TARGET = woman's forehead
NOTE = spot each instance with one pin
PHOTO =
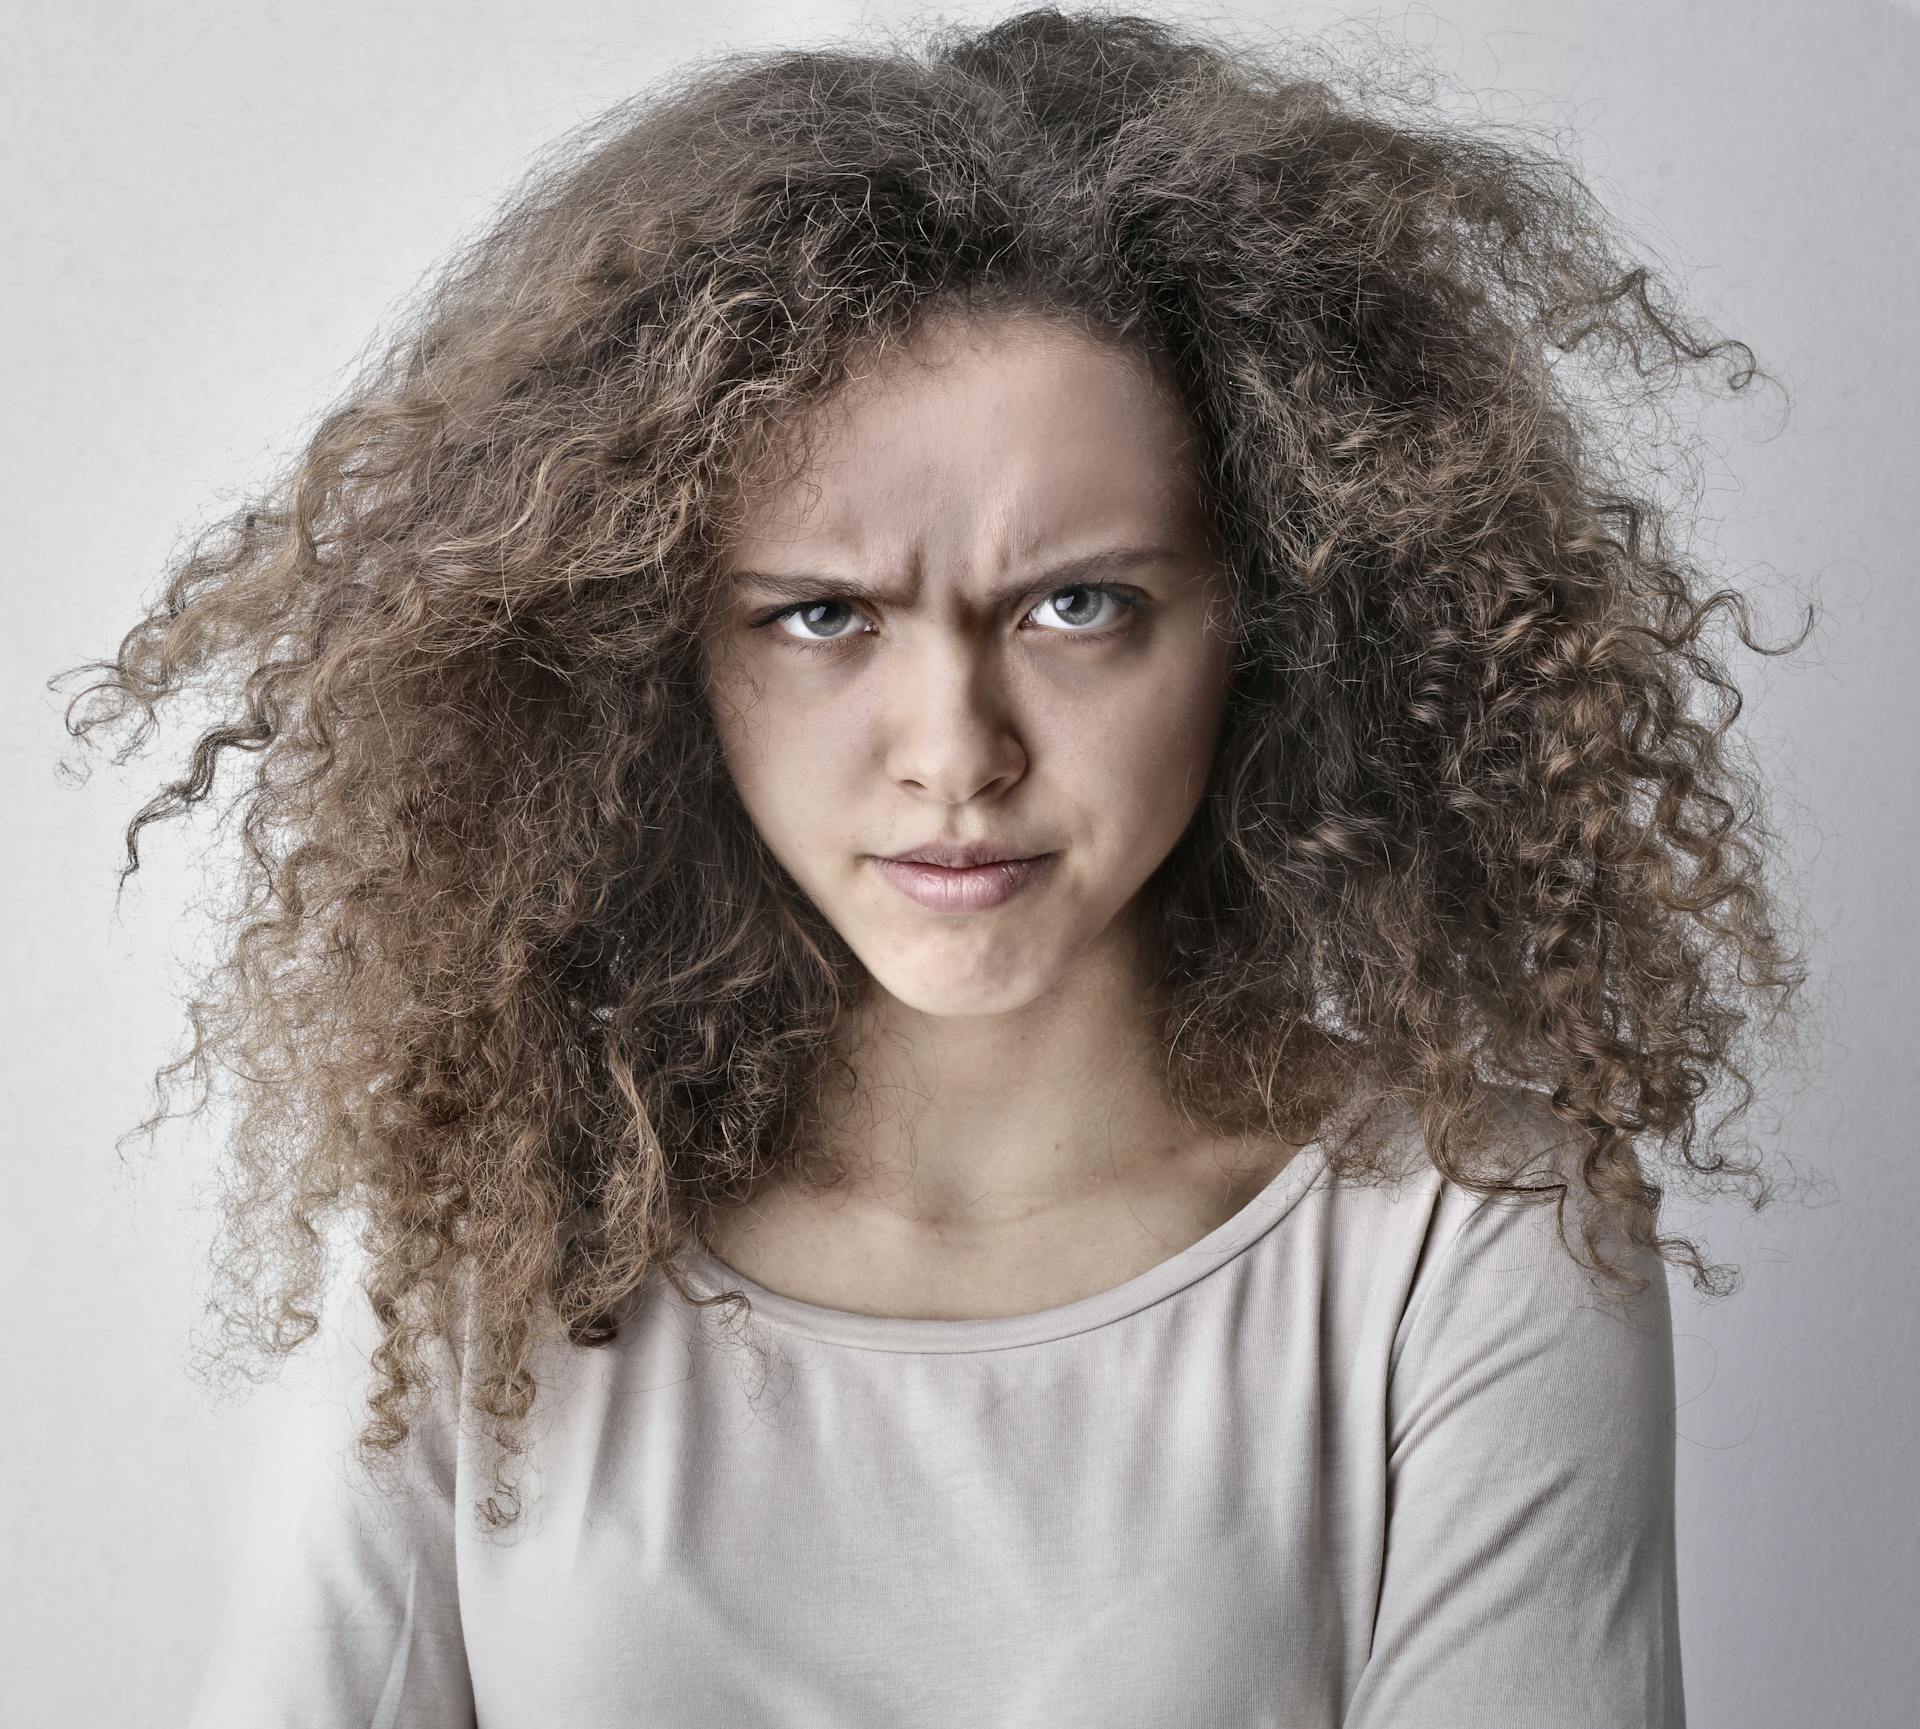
(1022, 440)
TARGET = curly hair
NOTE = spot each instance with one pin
(513, 985)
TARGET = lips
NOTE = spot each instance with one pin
(963, 888)
(962, 855)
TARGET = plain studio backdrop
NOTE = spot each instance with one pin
(210, 208)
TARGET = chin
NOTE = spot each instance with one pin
(962, 987)
(951, 1005)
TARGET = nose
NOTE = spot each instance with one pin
(954, 732)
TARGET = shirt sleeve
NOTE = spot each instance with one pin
(1529, 1574)
(343, 1611)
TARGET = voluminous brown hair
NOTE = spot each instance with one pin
(515, 987)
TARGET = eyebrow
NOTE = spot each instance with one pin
(799, 585)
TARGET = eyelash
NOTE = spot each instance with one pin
(1128, 603)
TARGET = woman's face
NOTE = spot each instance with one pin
(977, 690)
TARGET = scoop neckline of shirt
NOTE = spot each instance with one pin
(1199, 1260)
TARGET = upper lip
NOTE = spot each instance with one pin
(957, 855)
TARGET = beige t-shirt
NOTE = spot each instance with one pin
(1374, 1457)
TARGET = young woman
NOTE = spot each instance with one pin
(980, 867)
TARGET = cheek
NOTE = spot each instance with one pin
(746, 714)
(790, 762)
(737, 710)
(1198, 706)
(1160, 741)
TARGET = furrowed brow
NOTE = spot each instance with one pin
(1089, 567)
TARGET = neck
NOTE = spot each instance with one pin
(982, 1121)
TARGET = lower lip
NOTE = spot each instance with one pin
(972, 890)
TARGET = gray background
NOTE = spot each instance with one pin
(209, 208)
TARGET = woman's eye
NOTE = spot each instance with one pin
(1090, 610)
(809, 611)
